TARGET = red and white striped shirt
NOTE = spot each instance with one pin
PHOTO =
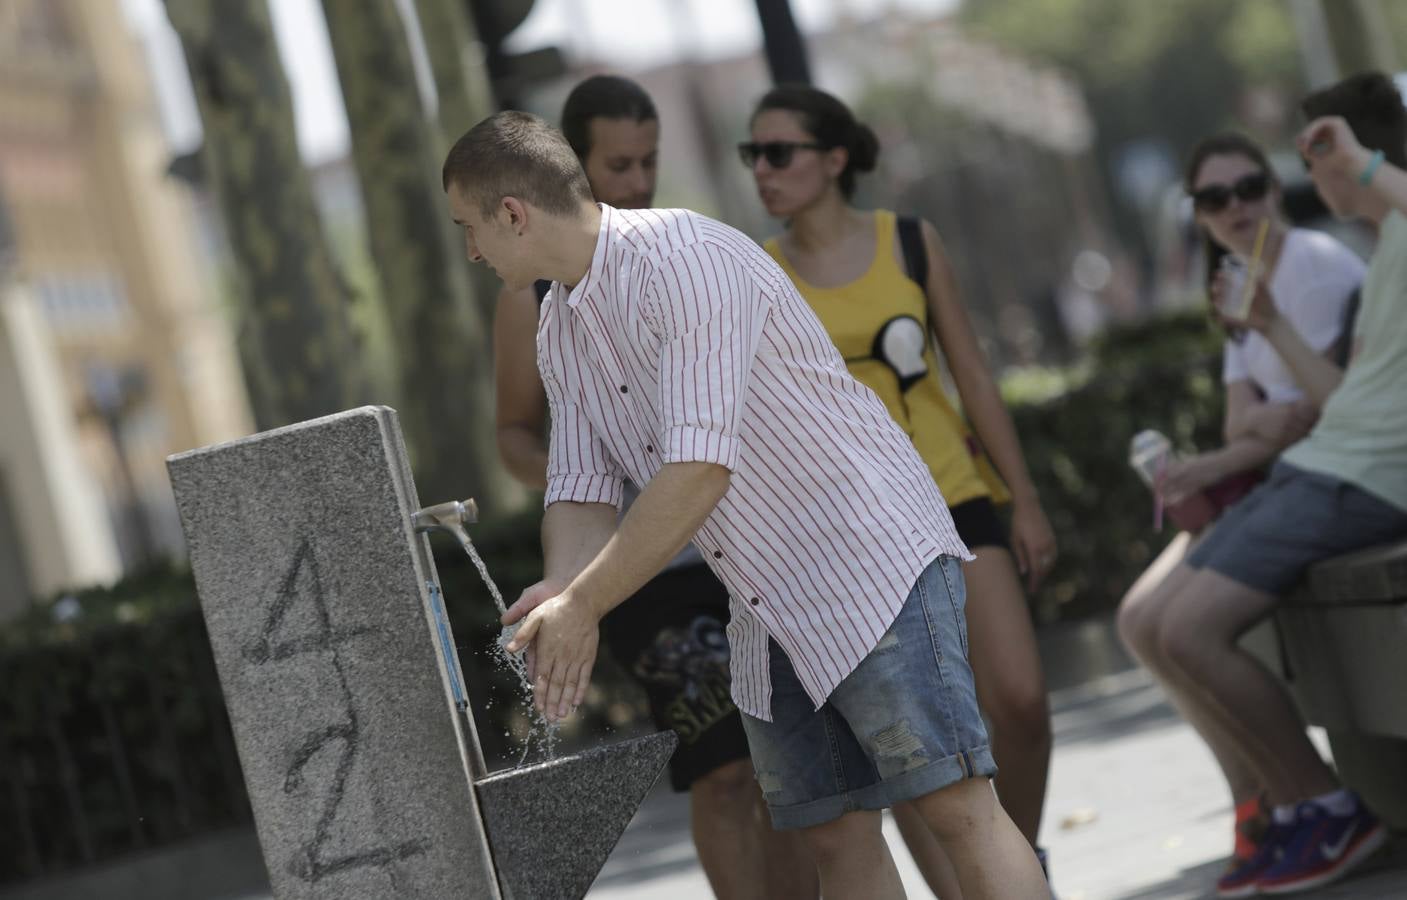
(686, 343)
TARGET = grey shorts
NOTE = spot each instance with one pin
(1294, 519)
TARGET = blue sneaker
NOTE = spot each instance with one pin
(1323, 848)
(1242, 876)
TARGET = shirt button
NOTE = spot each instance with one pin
(718, 554)
(624, 389)
(754, 601)
(649, 448)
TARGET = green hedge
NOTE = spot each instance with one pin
(1165, 375)
(113, 732)
(113, 738)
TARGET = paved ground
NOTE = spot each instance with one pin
(1136, 811)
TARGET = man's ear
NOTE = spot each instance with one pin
(517, 213)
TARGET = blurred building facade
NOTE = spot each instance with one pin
(114, 349)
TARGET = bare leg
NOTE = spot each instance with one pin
(1006, 668)
(791, 870)
(992, 858)
(932, 862)
(853, 859)
(1148, 595)
(1140, 614)
(727, 832)
(1198, 638)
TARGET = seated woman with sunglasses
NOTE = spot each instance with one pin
(853, 267)
(1311, 277)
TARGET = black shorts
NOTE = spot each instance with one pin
(979, 525)
(671, 638)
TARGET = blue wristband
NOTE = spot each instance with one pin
(1365, 177)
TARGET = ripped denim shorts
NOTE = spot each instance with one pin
(905, 723)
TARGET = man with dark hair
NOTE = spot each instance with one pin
(617, 113)
(1372, 104)
(1342, 488)
(670, 637)
(676, 354)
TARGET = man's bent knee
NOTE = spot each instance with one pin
(847, 834)
(958, 809)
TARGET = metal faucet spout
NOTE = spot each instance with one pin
(450, 516)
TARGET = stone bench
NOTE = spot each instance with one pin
(1340, 643)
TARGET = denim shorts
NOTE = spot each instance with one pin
(1291, 521)
(903, 724)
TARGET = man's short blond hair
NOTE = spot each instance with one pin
(517, 154)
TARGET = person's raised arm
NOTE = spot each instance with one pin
(1328, 141)
(1315, 373)
(520, 404)
(1032, 538)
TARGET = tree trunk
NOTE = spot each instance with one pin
(464, 92)
(457, 59)
(1360, 36)
(297, 344)
(438, 324)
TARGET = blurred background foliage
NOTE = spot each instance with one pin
(128, 670)
(113, 732)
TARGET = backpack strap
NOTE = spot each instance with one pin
(915, 254)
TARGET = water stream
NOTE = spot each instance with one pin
(541, 731)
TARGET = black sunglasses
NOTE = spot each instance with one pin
(1215, 197)
(777, 153)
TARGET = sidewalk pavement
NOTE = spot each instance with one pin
(1136, 811)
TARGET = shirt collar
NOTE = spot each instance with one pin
(598, 258)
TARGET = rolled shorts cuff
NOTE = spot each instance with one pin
(919, 782)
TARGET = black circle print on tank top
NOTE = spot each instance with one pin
(899, 345)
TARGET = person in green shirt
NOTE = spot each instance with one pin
(1343, 488)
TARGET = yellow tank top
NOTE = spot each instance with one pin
(879, 323)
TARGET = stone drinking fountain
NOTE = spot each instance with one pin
(349, 707)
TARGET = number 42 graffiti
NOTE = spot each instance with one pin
(303, 584)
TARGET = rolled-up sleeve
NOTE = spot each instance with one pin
(579, 469)
(710, 311)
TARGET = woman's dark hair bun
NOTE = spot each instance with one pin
(864, 148)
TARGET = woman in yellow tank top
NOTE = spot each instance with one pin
(879, 323)
(805, 151)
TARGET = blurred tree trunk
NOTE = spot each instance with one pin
(465, 95)
(458, 61)
(438, 324)
(297, 344)
(1360, 36)
(1341, 37)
